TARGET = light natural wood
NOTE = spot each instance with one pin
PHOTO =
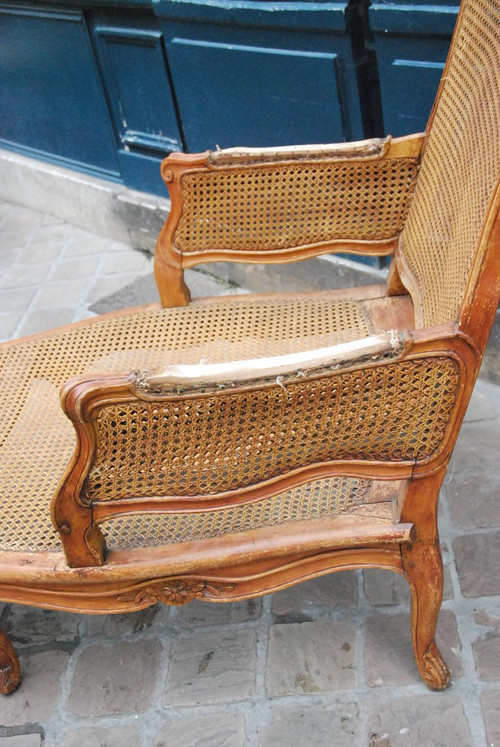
(341, 444)
(170, 260)
(423, 569)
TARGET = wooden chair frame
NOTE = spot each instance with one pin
(87, 578)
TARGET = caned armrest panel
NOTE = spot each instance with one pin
(285, 204)
(188, 448)
(208, 443)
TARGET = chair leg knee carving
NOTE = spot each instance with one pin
(10, 671)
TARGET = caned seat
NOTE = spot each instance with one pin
(225, 448)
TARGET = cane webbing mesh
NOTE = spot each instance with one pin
(223, 330)
(266, 208)
(459, 171)
(329, 497)
(210, 444)
(37, 440)
(322, 498)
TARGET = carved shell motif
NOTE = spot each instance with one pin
(175, 591)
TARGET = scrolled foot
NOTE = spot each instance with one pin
(434, 671)
(10, 671)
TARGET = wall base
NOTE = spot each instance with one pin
(103, 207)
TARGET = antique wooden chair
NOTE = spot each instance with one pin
(229, 447)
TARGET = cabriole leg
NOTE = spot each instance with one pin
(423, 568)
(10, 671)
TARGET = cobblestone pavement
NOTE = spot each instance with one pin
(327, 663)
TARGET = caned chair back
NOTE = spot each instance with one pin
(446, 234)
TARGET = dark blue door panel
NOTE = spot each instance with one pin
(254, 96)
(112, 87)
(260, 74)
(416, 82)
(411, 43)
(51, 99)
(135, 75)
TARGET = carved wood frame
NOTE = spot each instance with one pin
(263, 562)
(78, 520)
(170, 262)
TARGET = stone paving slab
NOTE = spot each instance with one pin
(333, 724)
(126, 675)
(311, 657)
(422, 721)
(491, 711)
(211, 667)
(213, 730)
(327, 663)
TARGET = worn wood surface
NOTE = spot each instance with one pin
(395, 529)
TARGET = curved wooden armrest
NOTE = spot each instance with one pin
(408, 146)
(85, 399)
(183, 378)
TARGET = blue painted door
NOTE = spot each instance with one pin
(411, 44)
(112, 87)
(257, 74)
(136, 78)
(51, 99)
